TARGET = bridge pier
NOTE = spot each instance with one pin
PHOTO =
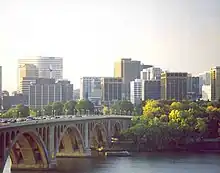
(87, 149)
(51, 148)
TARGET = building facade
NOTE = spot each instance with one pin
(152, 73)
(136, 91)
(128, 70)
(204, 79)
(1, 87)
(12, 101)
(151, 90)
(90, 89)
(193, 91)
(206, 92)
(174, 86)
(111, 88)
(215, 83)
(45, 91)
(27, 74)
(48, 67)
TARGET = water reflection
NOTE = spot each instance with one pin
(145, 163)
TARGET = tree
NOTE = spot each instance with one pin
(22, 111)
(106, 110)
(48, 110)
(69, 107)
(122, 107)
(84, 105)
(57, 108)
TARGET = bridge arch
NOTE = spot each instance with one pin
(99, 136)
(116, 129)
(70, 141)
(26, 150)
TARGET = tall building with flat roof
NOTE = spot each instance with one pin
(136, 91)
(193, 87)
(150, 90)
(215, 83)
(174, 86)
(111, 88)
(90, 89)
(27, 73)
(1, 87)
(151, 73)
(45, 91)
(128, 70)
(48, 67)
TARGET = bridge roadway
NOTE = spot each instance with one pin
(36, 144)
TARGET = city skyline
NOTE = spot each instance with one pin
(157, 33)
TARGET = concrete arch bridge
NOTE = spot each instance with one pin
(35, 145)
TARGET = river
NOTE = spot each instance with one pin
(142, 163)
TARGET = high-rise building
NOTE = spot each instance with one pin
(136, 91)
(48, 67)
(27, 73)
(193, 92)
(150, 90)
(90, 89)
(204, 79)
(174, 86)
(215, 83)
(152, 73)
(111, 88)
(1, 87)
(206, 92)
(128, 70)
(45, 91)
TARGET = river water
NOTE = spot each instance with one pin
(142, 163)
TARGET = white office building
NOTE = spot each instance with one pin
(204, 79)
(48, 67)
(136, 91)
(206, 92)
(152, 73)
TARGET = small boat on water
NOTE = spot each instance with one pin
(117, 154)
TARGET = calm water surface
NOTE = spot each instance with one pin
(144, 163)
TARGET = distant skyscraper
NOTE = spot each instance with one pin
(204, 79)
(193, 87)
(27, 73)
(48, 67)
(89, 87)
(136, 91)
(174, 86)
(215, 83)
(128, 70)
(206, 92)
(1, 87)
(45, 91)
(151, 90)
(152, 73)
(111, 89)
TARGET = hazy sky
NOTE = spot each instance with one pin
(180, 35)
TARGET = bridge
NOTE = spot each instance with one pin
(36, 144)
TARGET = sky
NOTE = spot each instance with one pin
(178, 35)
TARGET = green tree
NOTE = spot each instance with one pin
(106, 110)
(122, 107)
(22, 111)
(69, 107)
(57, 108)
(84, 105)
(48, 110)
